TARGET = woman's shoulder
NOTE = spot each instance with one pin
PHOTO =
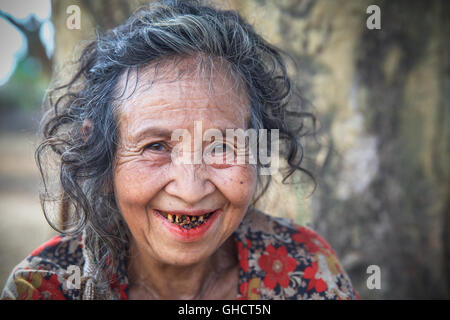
(284, 260)
(44, 273)
(283, 231)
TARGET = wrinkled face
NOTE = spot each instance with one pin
(153, 191)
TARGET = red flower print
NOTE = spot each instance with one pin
(243, 256)
(309, 238)
(120, 287)
(243, 290)
(250, 290)
(277, 265)
(41, 287)
(318, 284)
(50, 243)
(50, 288)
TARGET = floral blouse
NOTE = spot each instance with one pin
(277, 260)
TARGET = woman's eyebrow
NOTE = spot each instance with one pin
(152, 132)
(167, 134)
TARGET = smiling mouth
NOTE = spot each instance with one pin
(186, 221)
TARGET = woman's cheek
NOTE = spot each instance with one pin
(138, 182)
(237, 183)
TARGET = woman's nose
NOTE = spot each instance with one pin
(190, 183)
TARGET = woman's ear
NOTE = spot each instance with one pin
(86, 129)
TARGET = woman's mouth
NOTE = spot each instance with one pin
(186, 221)
(186, 227)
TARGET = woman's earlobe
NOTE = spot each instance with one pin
(86, 129)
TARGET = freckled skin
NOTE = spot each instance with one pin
(146, 179)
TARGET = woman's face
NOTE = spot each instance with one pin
(149, 185)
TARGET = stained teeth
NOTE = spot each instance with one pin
(185, 221)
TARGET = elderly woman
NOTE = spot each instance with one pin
(144, 222)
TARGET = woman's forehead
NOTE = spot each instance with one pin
(169, 97)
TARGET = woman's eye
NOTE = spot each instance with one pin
(221, 148)
(156, 146)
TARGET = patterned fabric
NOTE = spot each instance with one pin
(277, 260)
(281, 260)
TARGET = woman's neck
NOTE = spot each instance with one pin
(216, 276)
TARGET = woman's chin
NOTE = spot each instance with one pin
(183, 257)
(177, 249)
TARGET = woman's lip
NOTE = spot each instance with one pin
(188, 212)
(187, 235)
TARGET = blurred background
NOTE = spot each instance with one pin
(380, 157)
